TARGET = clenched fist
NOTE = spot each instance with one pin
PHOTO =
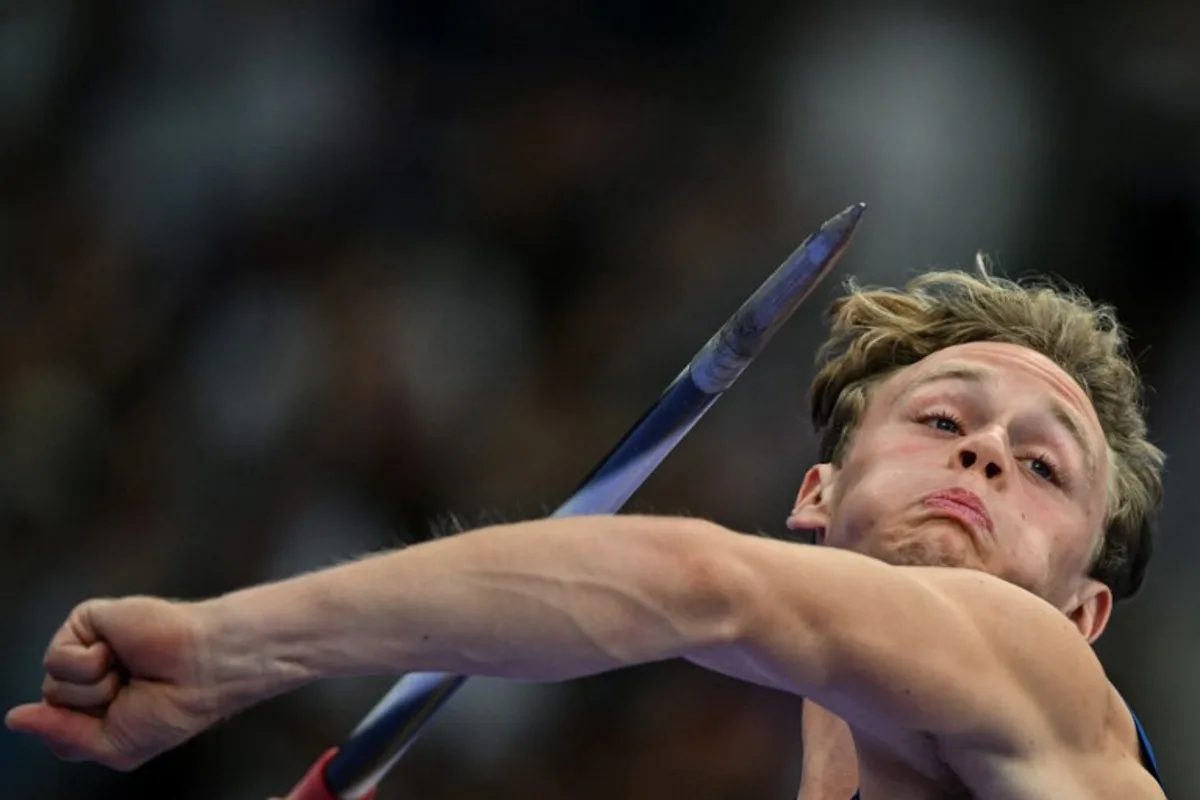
(125, 681)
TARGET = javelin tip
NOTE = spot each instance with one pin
(846, 220)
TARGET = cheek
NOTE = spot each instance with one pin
(870, 495)
(1071, 551)
(1031, 550)
(894, 465)
(899, 444)
(1047, 543)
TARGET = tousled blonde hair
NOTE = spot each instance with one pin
(877, 331)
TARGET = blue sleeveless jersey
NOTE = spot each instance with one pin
(1147, 751)
(1148, 759)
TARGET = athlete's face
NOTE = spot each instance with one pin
(983, 455)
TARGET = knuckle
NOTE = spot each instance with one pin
(54, 692)
(51, 656)
(58, 669)
(111, 685)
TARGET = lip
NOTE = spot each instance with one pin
(967, 506)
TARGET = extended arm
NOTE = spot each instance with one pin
(543, 600)
(557, 599)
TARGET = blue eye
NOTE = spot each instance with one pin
(1042, 468)
(944, 423)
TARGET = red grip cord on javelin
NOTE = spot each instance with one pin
(313, 787)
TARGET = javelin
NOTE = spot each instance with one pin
(353, 770)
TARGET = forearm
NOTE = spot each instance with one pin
(544, 600)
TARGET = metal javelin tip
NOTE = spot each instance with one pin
(730, 351)
(850, 216)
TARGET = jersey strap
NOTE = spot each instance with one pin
(1148, 758)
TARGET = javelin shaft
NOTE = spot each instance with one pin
(351, 771)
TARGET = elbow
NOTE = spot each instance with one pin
(716, 594)
(661, 588)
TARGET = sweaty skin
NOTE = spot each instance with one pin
(954, 644)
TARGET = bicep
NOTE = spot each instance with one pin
(883, 647)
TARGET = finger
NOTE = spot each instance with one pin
(73, 736)
(69, 659)
(82, 695)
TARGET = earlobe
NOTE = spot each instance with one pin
(1093, 610)
(811, 510)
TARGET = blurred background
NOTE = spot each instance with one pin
(285, 282)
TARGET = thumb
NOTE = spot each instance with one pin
(72, 735)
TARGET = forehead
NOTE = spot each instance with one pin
(1015, 374)
(1007, 365)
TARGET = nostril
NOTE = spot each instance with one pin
(967, 457)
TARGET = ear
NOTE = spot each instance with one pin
(1093, 608)
(811, 511)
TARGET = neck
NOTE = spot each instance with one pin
(830, 763)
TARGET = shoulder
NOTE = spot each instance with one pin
(1071, 728)
(1043, 655)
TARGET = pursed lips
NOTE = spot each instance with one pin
(966, 506)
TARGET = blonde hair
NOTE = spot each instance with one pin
(877, 331)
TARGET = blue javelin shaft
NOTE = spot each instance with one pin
(384, 735)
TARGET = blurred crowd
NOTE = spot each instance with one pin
(284, 283)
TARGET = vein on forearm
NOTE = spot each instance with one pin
(602, 625)
(547, 600)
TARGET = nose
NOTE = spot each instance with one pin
(983, 452)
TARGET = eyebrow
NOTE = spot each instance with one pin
(976, 375)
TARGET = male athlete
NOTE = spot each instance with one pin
(984, 497)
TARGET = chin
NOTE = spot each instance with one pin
(925, 549)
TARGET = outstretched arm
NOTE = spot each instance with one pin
(557, 599)
(983, 666)
(546, 600)
(129, 678)
(552, 599)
